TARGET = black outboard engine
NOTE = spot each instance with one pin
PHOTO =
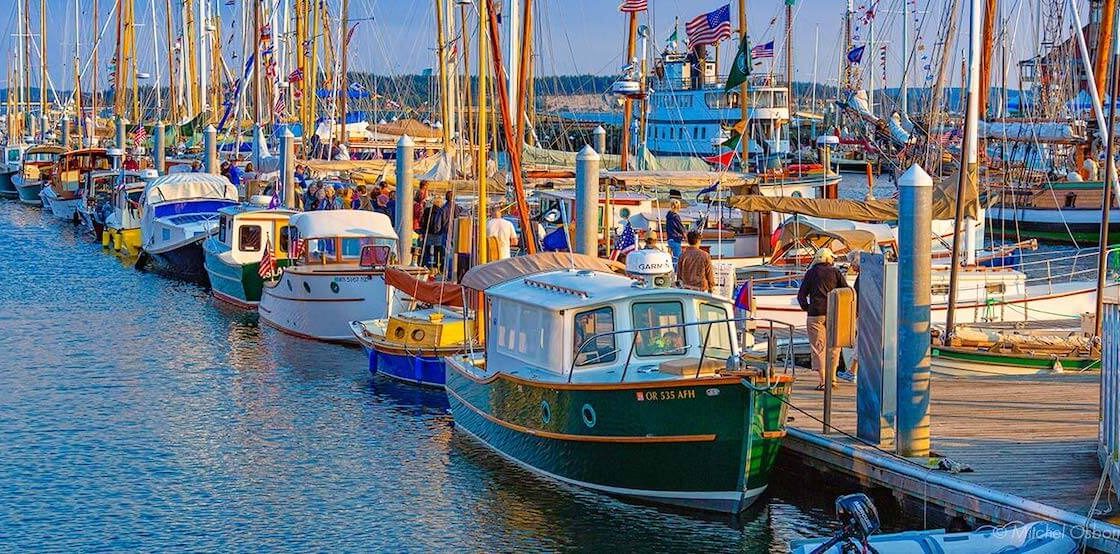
(858, 520)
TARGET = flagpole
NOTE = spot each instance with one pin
(344, 82)
(744, 96)
(627, 103)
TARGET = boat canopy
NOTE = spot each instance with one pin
(443, 293)
(189, 186)
(343, 224)
(944, 205)
(803, 232)
(45, 149)
(495, 273)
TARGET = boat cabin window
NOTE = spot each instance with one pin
(780, 98)
(249, 238)
(717, 335)
(13, 155)
(662, 338)
(595, 326)
(526, 333)
(285, 238)
(223, 229)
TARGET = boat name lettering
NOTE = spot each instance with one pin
(670, 394)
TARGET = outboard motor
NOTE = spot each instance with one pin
(858, 519)
(653, 269)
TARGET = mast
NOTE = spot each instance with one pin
(1110, 174)
(970, 168)
(95, 89)
(935, 105)
(134, 69)
(343, 80)
(444, 87)
(789, 57)
(464, 33)
(986, 55)
(190, 55)
(904, 87)
(256, 62)
(525, 74)
(514, 150)
(43, 66)
(627, 103)
(1106, 28)
(480, 157)
(215, 65)
(744, 101)
(203, 46)
(300, 101)
(514, 36)
(77, 71)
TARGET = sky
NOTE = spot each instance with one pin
(576, 36)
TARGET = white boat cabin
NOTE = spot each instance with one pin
(339, 237)
(245, 232)
(585, 326)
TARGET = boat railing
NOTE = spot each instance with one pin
(1108, 435)
(1075, 265)
(742, 326)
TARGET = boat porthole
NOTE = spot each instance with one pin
(588, 415)
(417, 335)
(334, 287)
(307, 287)
(289, 286)
(399, 333)
(546, 411)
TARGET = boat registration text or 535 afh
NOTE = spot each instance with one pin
(668, 394)
(354, 279)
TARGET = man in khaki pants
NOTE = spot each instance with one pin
(821, 279)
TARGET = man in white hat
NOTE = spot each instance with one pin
(821, 279)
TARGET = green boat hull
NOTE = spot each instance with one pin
(970, 361)
(706, 444)
(238, 284)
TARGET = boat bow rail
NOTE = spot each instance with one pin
(743, 326)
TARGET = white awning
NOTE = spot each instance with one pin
(343, 223)
(189, 186)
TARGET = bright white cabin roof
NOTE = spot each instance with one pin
(343, 223)
(570, 194)
(567, 289)
(189, 186)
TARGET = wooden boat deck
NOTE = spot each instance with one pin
(1030, 437)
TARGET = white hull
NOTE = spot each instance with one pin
(62, 209)
(1041, 302)
(320, 306)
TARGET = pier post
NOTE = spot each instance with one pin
(64, 139)
(258, 140)
(405, 148)
(210, 142)
(587, 201)
(599, 139)
(288, 167)
(825, 142)
(159, 148)
(121, 137)
(44, 127)
(914, 226)
(29, 126)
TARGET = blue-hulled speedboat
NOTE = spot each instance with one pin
(178, 212)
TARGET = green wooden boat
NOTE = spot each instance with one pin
(233, 254)
(606, 382)
(965, 361)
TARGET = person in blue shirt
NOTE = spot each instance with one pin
(235, 175)
(674, 229)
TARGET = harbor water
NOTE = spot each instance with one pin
(137, 413)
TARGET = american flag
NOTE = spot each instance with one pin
(633, 6)
(266, 32)
(763, 51)
(268, 265)
(710, 28)
(297, 248)
(280, 107)
(627, 242)
(139, 134)
(296, 75)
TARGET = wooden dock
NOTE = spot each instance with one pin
(1030, 441)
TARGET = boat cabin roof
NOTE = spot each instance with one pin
(344, 224)
(45, 149)
(189, 186)
(258, 212)
(565, 289)
(616, 196)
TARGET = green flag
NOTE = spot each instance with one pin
(736, 135)
(741, 68)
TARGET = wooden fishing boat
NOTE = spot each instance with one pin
(973, 351)
(13, 159)
(234, 253)
(178, 212)
(607, 382)
(121, 232)
(97, 196)
(410, 346)
(63, 193)
(338, 277)
(35, 172)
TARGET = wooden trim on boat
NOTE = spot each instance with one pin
(585, 438)
(673, 383)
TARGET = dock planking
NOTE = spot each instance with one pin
(1033, 437)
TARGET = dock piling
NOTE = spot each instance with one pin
(121, 137)
(405, 148)
(587, 201)
(64, 138)
(288, 167)
(210, 142)
(159, 147)
(600, 139)
(914, 226)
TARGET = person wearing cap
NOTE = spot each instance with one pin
(821, 278)
(674, 229)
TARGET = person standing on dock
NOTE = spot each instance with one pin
(674, 229)
(501, 232)
(695, 266)
(821, 278)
